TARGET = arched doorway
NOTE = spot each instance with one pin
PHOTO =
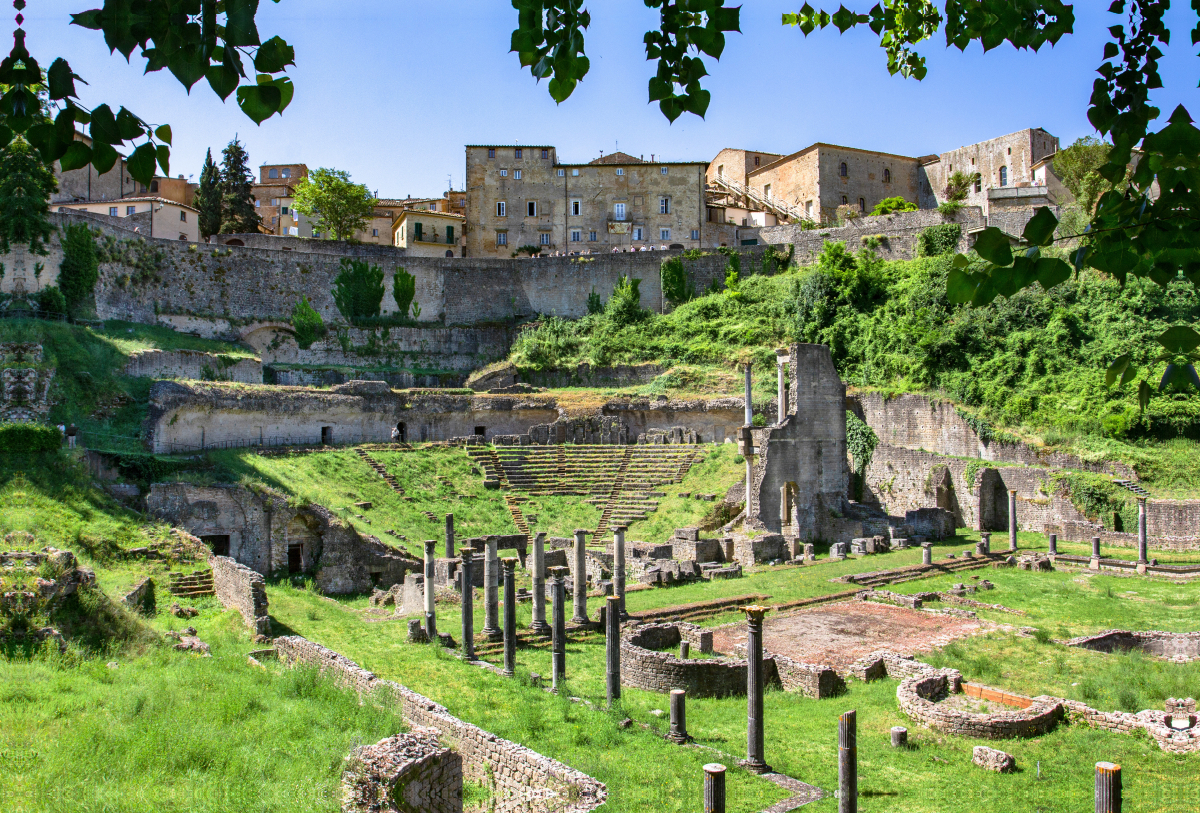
(402, 428)
(234, 242)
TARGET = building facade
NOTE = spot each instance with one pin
(151, 216)
(274, 199)
(522, 197)
(1010, 161)
(428, 233)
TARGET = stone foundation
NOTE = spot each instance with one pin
(240, 588)
(408, 772)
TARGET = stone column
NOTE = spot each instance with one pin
(430, 612)
(678, 732)
(1108, 788)
(1095, 564)
(1053, 544)
(899, 737)
(449, 536)
(468, 604)
(619, 566)
(685, 650)
(781, 394)
(1012, 520)
(754, 690)
(612, 649)
(714, 788)
(985, 539)
(749, 404)
(580, 577)
(1143, 540)
(926, 554)
(539, 626)
(491, 601)
(558, 646)
(510, 615)
(848, 763)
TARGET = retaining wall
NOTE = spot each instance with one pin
(193, 364)
(519, 774)
(897, 233)
(407, 772)
(239, 587)
(644, 668)
(1178, 647)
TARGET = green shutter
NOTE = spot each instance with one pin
(450, 235)
(419, 235)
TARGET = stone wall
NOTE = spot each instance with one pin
(411, 771)
(897, 233)
(1177, 647)
(919, 697)
(194, 365)
(240, 588)
(643, 667)
(518, 773)
(1084, 530)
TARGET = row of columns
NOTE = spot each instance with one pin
(1143, 539)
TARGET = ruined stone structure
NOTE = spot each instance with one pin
(1177, 647)
(893, 237)
(269, 537)
(239, 587)
(410, 771)
(24, 384)
(1004, 164)
(193, 364)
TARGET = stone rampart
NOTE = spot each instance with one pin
(1084, 530)
(194, 365)
(923, 697)
(538, 783)
(896, 233)
(240, 588)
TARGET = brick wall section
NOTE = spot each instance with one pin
(520, 774)
(1153, 723)
(193, 364)
(240, 588)
(411, 771)
(918, 696)
(644, 668)
(1178, 647)
(141, 597)
(1083, 531)
(899, 232)
(812, 680)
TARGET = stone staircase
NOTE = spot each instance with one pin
(1132, 486)
(192, 585)
(380, 470)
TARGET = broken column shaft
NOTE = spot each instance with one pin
(468, 604)
(491, 601)
(430, 566)
(1012, 520)
(1143, 539)
(580, 577)
(558, 646)
(612, 649)
(619, 566)
(449, 536)
(848, 763)
(510, 615)
(538, 625)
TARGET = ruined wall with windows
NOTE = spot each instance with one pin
(522, 196)
(1004, 161)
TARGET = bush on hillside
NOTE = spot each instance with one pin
(307, 323)
(51, 300)
(940, 239)
(677, 284)
(80, 267)
(625, 305)
(358, 289)
(889, 206)
(29, 438)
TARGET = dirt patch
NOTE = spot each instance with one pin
(839, 634)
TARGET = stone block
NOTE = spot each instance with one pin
(992, 760)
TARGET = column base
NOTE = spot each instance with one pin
(492, 634)
(543, 629)
(1141, 567)
(1094, 564)
(678, 739)
(756, 766)
(581, 621)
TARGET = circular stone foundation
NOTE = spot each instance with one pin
(923, 697)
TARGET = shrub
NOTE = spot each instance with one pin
(28, 438)
(677, 284)
(625, 305)
(847, 212)
(937, 240)
(958, 185)
(80, 268)
(594, 303)
(51, 300)
(950, 208)
(307, 323)
(358, 289)
(896, 204)
(404, 288)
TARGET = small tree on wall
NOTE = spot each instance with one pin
(237, 201)
(307, 323)
(358, 290)
(404, 288)
(26, 183)
(677, 285)
(208, 198)
(80, 268)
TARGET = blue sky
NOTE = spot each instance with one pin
(391, 91)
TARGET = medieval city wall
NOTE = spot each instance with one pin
(897, 233)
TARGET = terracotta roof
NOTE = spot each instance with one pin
(617, 158)
(140, 199)
(414, 212)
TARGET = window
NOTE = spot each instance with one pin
(862, 205)
(272, 173)
(576, 236)
(284, 210)
(450, 235)
(695, 234)
(662, 170)
(721, 170)
(576, 208)
(887, 176)
(843, 170)
(287, 172)
(501, 209)
(545, 154)
(620, 170)
(154, 184)
(978, 184)
(257, 204)
(182, 216)
(1010, 150)
(574, 173)
(130, 210)
(491, 153)
(637, 233)
(517, 153)
(545, 238)
(592, 236)
(374, 232)
(562, 172)
(756, 160)
(433, 207)
(504, 173)
(1004, 176)
(502, 238)
(766, 190)
(418, 231)
(517, 174)
(531, 208)
(664, 206)
(664, 234)
(808, 207)
(619, 211)
(112, 211)
(845, 200)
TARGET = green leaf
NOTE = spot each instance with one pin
(1179, 376)
(103, 156)
(77, 156)
(994, 246)
(222, 80)
(1040, 229)
(1052, 271)
(561, 89)
(1180, 339)
(129, 125)
(141, 164)
(960, 261)
(61, 80)
(163, 154)
(104, 126)
(239, 25)
(273, 56)
(259, 102)
(1143, 396)
(960, 285)
(163, 133)
(1117, 369)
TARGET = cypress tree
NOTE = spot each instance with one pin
(237, 202)
(26, 183)
(208, 198)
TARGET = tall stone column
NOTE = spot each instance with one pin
(781, 398)
(1143, 539)
(510, 615)
(1095, 564)
(848, 763)
(538, 625)
(468, 604)
(558, 645)
(491, 601)
(678, 732)
(449, 536)
(612, 649)
(430, 611)
(1108, 788)
(619, 566)
(749, 404)
(986, 539)
(580, 577)
(714, 788)
(754, 690)
(1012, 520)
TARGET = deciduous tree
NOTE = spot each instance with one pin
(339, 207)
